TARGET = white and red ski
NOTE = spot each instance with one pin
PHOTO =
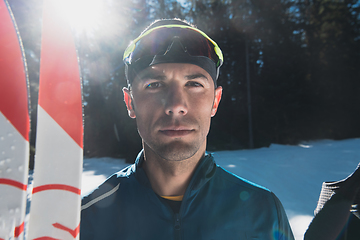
(56, 199)
(14, 128)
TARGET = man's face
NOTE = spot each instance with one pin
(173, 104)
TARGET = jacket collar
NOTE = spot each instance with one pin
(204, 171)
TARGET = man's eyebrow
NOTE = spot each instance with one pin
(151, 75)
(195, 76)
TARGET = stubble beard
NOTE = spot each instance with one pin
(174, 151)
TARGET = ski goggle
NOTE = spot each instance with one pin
(156, 41)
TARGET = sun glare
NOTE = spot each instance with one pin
(82, 15)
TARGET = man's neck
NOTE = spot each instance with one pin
(170, 178)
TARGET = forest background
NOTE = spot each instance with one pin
(291, 68)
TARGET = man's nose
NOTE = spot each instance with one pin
(175, 103)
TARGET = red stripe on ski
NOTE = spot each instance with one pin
(13, 91)
(57, 187)
(59, 87)
(73, 233)
(45, 238)
(13, 183)
(19, 230)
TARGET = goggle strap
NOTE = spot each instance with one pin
(131, 47)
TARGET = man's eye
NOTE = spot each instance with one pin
(154, 85)
(194, 84)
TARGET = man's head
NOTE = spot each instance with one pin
(172, 94)
(172, 41)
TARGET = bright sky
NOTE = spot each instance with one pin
(81, 14)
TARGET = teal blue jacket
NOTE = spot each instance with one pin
(217, 205)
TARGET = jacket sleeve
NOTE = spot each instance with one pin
(85, 224)
(94, 217)
(332, 218)
(284, 231)
(330, 221)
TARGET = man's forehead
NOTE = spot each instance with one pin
(164, 70)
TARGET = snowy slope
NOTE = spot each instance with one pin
(293, 173)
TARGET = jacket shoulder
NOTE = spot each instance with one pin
(107, 188)
(235, 179)
(263, 201)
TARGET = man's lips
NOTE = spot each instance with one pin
(176, 132)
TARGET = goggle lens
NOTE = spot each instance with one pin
(157, 41)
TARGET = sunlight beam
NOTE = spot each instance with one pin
(82, 15)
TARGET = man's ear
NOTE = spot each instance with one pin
(129, 102)
(218, 93)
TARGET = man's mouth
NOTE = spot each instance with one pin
(176, 132)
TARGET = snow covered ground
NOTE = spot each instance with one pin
(293, 173)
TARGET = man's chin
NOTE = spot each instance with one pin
(177, 151)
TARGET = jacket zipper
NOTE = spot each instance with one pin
(177, 227)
